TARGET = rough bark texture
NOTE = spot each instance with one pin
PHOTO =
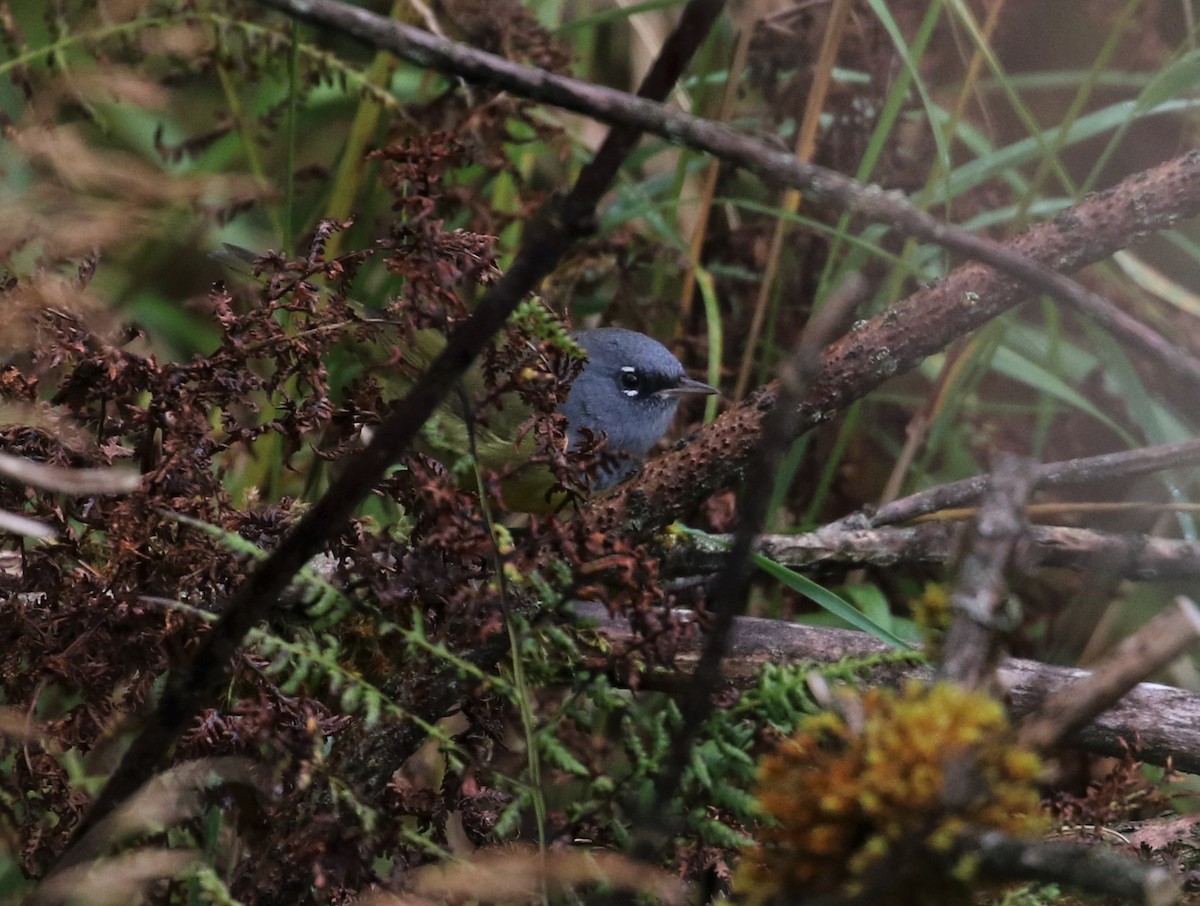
(837, 548)
(1162, 723)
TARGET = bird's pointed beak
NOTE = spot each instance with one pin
(688, 387)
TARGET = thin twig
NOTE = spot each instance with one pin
(1105, 467)
(837, 548)
(730, 591)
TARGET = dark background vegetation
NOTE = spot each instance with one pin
(421, 694)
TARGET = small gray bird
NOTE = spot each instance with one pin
(629, 390)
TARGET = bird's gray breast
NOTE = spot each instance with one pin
(631, 425)
(617, 394)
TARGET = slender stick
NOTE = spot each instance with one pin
(1047, 475)
(970, 648)
(732, 587)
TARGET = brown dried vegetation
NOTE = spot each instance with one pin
(105, 586)
(134, 575)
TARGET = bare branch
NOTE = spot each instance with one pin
(970, 647)
(1161, 724)
(1047, 475)
(1144, 653)
(837, 547)
(1093, 869)
(69, 481)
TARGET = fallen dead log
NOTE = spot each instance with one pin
(1160, 723)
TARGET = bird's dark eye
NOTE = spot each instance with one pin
(630, 381)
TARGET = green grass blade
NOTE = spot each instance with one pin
(818, 594)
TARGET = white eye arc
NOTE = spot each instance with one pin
(630, 381)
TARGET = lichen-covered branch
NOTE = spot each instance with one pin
(837, 547)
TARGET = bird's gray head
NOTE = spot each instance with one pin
(629, 390)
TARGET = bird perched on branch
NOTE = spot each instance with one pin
(627, 392)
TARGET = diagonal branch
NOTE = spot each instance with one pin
(732, 587)
(1165, 638)
(1106, 466)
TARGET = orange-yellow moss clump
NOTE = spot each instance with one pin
(888, 795)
